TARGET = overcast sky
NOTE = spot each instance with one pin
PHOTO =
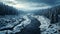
(31, 4)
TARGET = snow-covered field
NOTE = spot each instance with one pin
(16, 24)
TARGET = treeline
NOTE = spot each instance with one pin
(51, 13)
(7, 10)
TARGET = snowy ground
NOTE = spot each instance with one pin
(12, 25)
